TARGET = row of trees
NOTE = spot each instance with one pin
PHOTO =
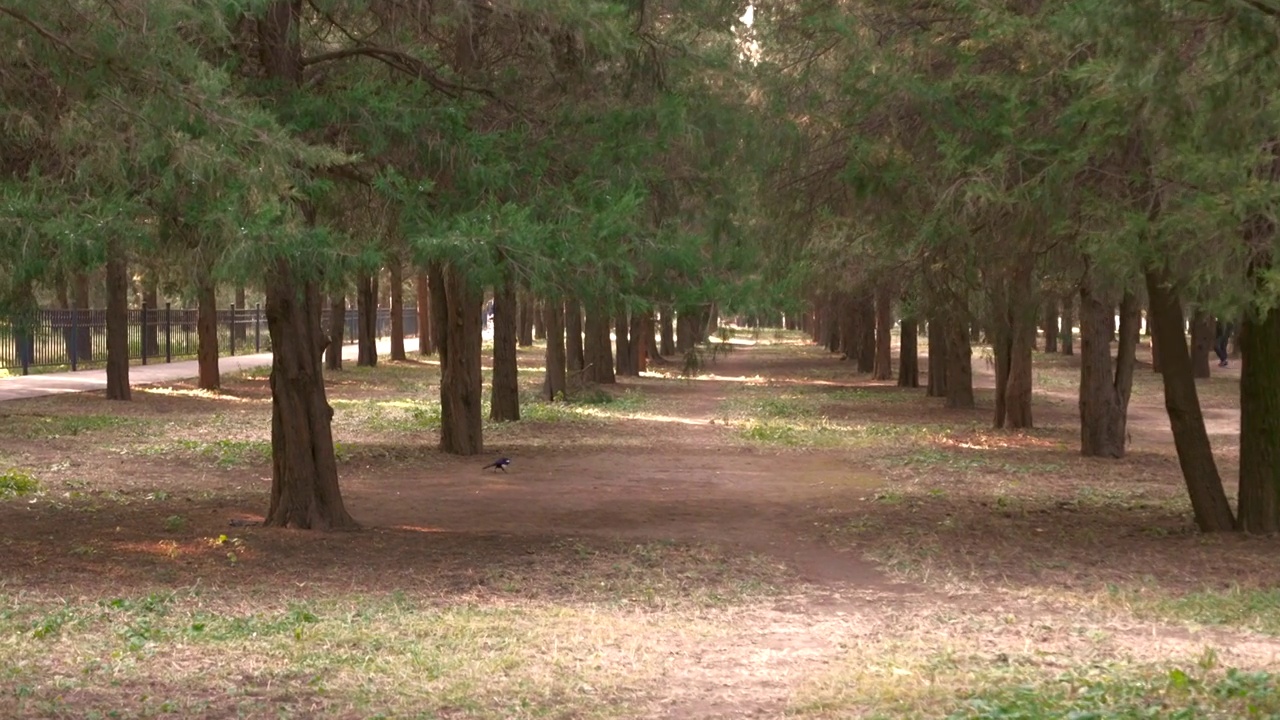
(970, 164)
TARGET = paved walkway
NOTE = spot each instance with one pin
(29, 386)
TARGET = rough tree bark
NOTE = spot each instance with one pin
(396, 272)
(80, 298)
(937, 367)
(207, 333)
(1013, 339)
(636, 343)
(1181, 401)
(866, 340)
(686, 336)
(151, 315)
(959, 366)
(367, 319)
(1259, 510)
(622, 338)
(457, 307)
(555, 386)
(117, 323)
(1051, 325)
(1104, 393)
(650, 350)
(598, 352)
(539, 320)
(668, 345)
(504, 404)
(575, 360)
(337, 331)
(908, 355)
(883, 364)
(525, 319)
(1067, 338)
(304, 471)
(426, 337)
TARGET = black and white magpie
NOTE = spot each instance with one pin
(500, 464)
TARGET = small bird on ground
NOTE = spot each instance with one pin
(500, 464)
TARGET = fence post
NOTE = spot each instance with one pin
(168, 332)
(257, 327)
(233, 329)
(144, 334)
(75, 337)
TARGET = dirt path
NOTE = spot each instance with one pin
(696, 486)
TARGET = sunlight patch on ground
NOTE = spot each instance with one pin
(198, 393)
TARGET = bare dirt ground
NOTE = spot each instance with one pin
(778, 537)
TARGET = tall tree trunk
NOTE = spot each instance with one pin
(622, 338)
(959, 366)
(1181, 401)
(636, 343)
(1068, 344)
(908, 355)
(668, 345)
(526, 319)
(713, 320)
(151, 329)
(1259, 510)
(937, 367)
(574, 357)
(457, 308)
(883, 366)
(866, 341)
(396, 272)
(117, 323)
(80, 298)
(207, 332)
(1202, 332)
(1104, 394)
(651, 353)
(504, 404)
(337, 329)
(367, 319)
(598, 350)
(847, 316)
(304, 471)
(1013, 338)
(1051, 325)
(686, 336)
(556, 385)
(426, 337)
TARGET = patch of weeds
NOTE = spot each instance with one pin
(229, 453)
(1175, 694)
(1254, 609)
(175, 523)
(15, 483)
(56, 426)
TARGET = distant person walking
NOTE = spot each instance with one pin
(1221, 334)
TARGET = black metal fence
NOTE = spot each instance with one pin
(77, 339)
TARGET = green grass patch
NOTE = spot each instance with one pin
(15, 483)
(56, 426)
(228, 453)
(1249, 608)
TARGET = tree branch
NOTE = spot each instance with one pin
(44, 33)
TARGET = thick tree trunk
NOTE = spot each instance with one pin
(937, 367)
(304, 471)
(504, 403)
(1195, 454)
(367, 320)
(207, 334)
(883, 364)
(686, 335)
(622, 338)
(1155, 354)
(556, 385)
(575, 359)
(847, 316)
(598, 351)
(1259, 510)
(908, 355)
(526, 319)
(636, 343)
(396, 272)
(651, 354)
(668, 345)
(117, 323)
(426, 337)
(866, 341)
(1104, 394)
(1068, 345)
(1202, 332)
(457, 308)
(80, 299)
(337, 331)
(1013, 339)
(1051, 325)
(959, 366)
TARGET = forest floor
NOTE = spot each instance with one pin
(778, 537)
